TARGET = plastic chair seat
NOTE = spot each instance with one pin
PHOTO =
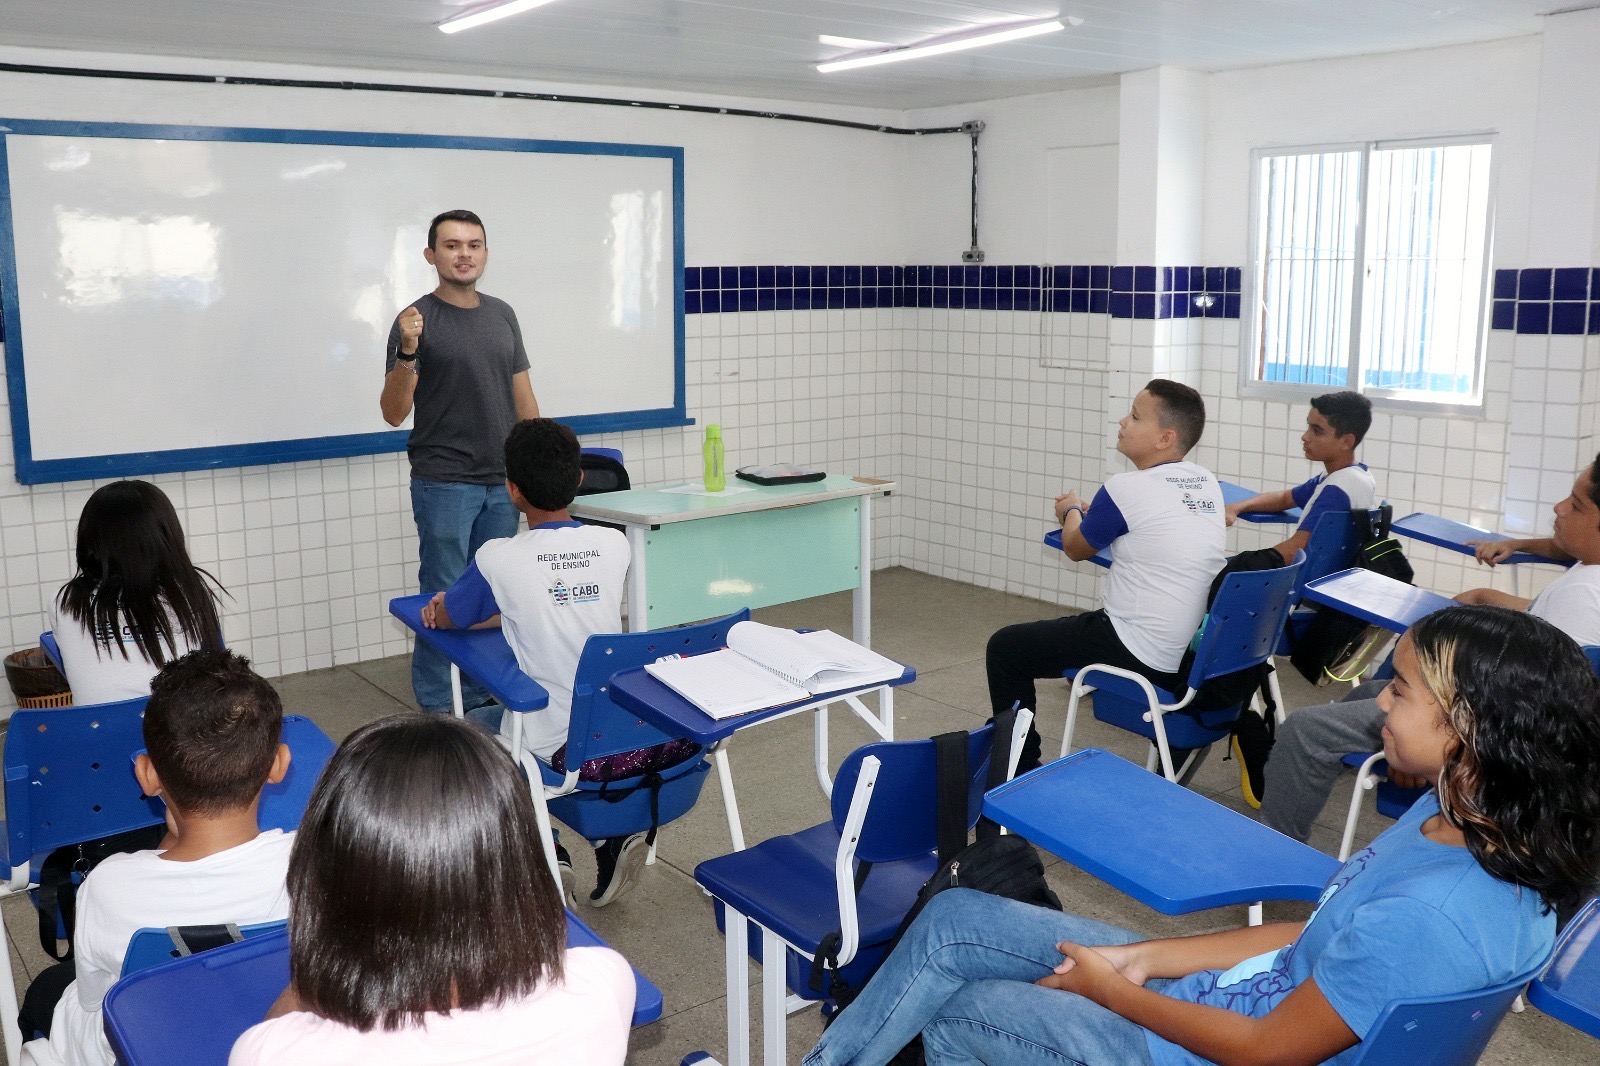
(1120, 702)
(786, 884)
(589, 814)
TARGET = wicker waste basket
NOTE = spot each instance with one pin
(35, 681)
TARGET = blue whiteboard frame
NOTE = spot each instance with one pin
(31, 471)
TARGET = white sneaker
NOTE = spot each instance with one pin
(619, 860)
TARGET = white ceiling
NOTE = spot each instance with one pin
(767, 48)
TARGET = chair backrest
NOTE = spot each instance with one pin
(902, 821)
(193, 1009)
(1331, 547)
(284, 804)
(1592, 653)
(1439, 1030)
(1245, 622)
(598, 726)
(69, 777)
(603, 471)
(152, 947)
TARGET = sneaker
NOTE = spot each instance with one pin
(569, 880)
(618, 861)
(1251, 744)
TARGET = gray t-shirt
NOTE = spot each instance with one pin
(464, 407)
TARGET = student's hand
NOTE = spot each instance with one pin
(410, 330)
(1067, 500)
(430, 611)
(1232, 512)
(1084, 971)
(1490, 552)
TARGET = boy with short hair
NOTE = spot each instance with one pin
(1163, 524)
(1335, 427)
(211, 733)
(551, 587)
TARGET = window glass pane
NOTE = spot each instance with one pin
(1305, 261)
(1422, 311)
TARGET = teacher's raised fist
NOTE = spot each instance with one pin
(410, 330)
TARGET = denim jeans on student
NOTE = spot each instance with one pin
(963, 976)
(454, 520)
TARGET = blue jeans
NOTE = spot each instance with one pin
(963, 977)
(454, 520)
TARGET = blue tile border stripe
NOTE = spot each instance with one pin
(1563, 301)
(1148, 292)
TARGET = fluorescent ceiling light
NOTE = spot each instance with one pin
(491, 13)
(953, 43)
(849, 42)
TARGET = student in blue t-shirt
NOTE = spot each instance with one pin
(1497, 709)
(1335, 426)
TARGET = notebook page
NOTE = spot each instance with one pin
(821, 662)
(724, 683)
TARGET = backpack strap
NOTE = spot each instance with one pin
(1005, 725)
(951, 782)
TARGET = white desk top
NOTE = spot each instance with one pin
(653, 507)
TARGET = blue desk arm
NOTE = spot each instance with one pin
(482, 654)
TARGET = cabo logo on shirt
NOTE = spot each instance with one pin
(564, 596)
(1199, 506)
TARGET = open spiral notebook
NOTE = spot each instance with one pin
(766, 666)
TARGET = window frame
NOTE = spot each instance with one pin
(1403, 400)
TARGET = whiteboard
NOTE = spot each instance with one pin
(179, 298)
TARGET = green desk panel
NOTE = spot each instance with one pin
(713, 566)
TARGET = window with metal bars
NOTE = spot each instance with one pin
(1370, 270)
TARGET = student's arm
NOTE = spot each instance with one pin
(1268, 502)
(1296, 543)
(1490, 552)
(468, 604)
(1181, 956)
(1494, 598)
(522, 394)
(1070, 510)
(1302, 1029)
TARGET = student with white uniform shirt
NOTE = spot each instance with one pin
(1163, 523)
(1308, 756)
(136, 601)
(212, 732)
(1335, 427)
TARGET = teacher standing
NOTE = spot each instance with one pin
(456, 355)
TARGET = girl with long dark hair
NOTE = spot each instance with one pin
(136, 602)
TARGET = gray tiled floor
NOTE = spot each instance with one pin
(664, 925)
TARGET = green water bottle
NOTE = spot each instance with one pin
(716, 476)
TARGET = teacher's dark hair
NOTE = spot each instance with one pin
(544, 462)
(134, 574)
(1520, 783)
(417, 881)
(453, 216)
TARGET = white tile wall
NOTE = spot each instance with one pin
(982, 417)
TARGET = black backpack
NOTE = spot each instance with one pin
(999, 865)
(1333, 637)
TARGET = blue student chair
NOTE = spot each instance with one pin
(192, 1009)
(1439, 1030)
(1238, 633)
(1331, 547)
(1569, 988)
(152, 947)
(801, 889)
(69, 778)
(599, 727)
(1372, 771)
